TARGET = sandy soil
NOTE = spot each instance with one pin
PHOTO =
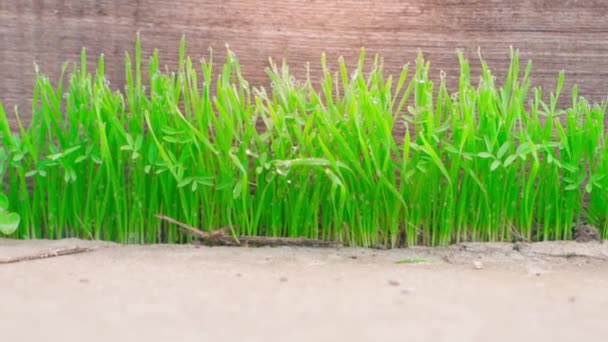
(473, 292)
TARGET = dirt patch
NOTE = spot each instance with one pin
(553, 291)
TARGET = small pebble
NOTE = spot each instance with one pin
(406, 292)
(283, 279)
(478, 265)
(393, 283)
(238, 275)
(353, 257)
(535, 270)
(572, 299)
(83, 280)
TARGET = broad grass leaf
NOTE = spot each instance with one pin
(3, 202)
(495, 165)
(485, 155)
(503, 149)
(510, 159)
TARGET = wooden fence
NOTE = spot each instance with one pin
(569, 34)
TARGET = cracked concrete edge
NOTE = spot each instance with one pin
(525, 251)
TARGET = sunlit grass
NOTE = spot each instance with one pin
(487, 162)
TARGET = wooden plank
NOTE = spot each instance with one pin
(557, 35)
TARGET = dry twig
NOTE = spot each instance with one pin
(45, 255)
(224, 237)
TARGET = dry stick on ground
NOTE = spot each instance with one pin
(517, 234)
(194, 231)
(223, 237)
(45, 255)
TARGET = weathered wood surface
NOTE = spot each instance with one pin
(569, 34)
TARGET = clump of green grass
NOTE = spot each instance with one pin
(485, 163)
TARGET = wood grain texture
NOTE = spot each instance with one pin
(569, 35)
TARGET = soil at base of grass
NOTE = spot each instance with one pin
(551, 291)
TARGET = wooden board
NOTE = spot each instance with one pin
(569, 34)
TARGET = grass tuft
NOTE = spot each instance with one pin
(200, 145)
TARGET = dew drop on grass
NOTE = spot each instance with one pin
(283, 168)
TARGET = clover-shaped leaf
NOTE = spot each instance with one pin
(8, 221)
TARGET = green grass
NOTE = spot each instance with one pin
(413, 261)
(485, 163)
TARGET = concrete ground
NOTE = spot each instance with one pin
(471, 292)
